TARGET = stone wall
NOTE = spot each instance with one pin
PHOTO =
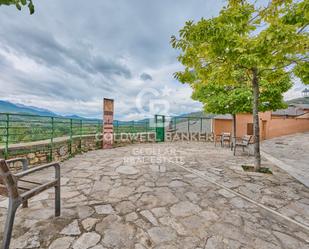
(41, 152)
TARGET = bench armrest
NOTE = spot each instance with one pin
(23, 160)
(39, 168)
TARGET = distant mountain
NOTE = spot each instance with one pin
(79, 117)
(73, 116)
(197, 115)
(6, 106)
(304, 100)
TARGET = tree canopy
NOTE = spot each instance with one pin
(19, 4)
(245, 37)
(237, 98)
(246, 49)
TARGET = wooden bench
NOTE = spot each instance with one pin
(241, 142)
(20, 190)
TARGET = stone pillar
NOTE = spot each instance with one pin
(108, 118)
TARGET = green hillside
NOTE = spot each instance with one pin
(304, 100)
(197, 114)
(8, 107)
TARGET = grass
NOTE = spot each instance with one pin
(263, 170)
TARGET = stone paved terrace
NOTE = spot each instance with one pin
(291, 153)
(110, 202)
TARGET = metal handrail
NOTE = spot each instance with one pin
(18, 128)
(22, 128)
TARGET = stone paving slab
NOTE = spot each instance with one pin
(291, 153)
(139, 197)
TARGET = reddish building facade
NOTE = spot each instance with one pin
(272, 124)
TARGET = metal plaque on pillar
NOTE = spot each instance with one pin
(108, 118)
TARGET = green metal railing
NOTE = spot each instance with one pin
(23, 130)
(132, 126)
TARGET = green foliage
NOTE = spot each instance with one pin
(237, 98)
(222, 99)
(220, 54)
(304, 100)
(245, 55)
(301, 70)
(19, 4)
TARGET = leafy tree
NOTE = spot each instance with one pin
(222, 99)
(237, 98)
(266, 47)
(19, 4)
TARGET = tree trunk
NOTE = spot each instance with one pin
(256, 124)
(234, 125)
(234, 129)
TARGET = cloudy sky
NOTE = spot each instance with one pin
(70, 54)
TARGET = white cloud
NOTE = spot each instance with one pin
(295, 91)
(71, 54)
